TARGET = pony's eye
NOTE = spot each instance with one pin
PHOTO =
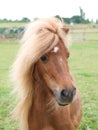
(44, 58)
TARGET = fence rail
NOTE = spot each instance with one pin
(84, 33)
(79, 33)
(84, 36)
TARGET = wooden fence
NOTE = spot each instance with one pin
(79, 33)
(85, 33)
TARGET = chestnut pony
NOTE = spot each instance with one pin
(47, 94)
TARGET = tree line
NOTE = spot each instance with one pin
(24, 20)
(76, 19)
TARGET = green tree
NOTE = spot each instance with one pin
(82, 14)
(96, 21)
(76, 19)
(24, 19)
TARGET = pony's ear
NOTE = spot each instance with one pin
(66, 30)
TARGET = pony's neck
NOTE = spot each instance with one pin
(41, 103)
(44, 113)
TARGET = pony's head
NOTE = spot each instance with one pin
(44, 49)
(52, 69)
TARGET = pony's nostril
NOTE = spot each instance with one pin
(74, 91)
(64, 93)
(67, 94)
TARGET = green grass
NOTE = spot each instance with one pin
(13, 24)
(84, 66)
(7, 53)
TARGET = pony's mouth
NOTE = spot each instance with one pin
(63, 102)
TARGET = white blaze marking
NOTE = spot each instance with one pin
(55, 49)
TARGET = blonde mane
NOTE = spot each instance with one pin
(39, 38)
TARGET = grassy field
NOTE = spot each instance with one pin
(84, 66)
(13, 24)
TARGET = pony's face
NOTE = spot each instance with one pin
(53, 69)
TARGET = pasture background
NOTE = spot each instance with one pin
(79, 32)
(84, 66)
(12, 24)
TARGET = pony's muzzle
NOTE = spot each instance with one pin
(65, 96)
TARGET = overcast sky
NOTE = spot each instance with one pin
(17, 9)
